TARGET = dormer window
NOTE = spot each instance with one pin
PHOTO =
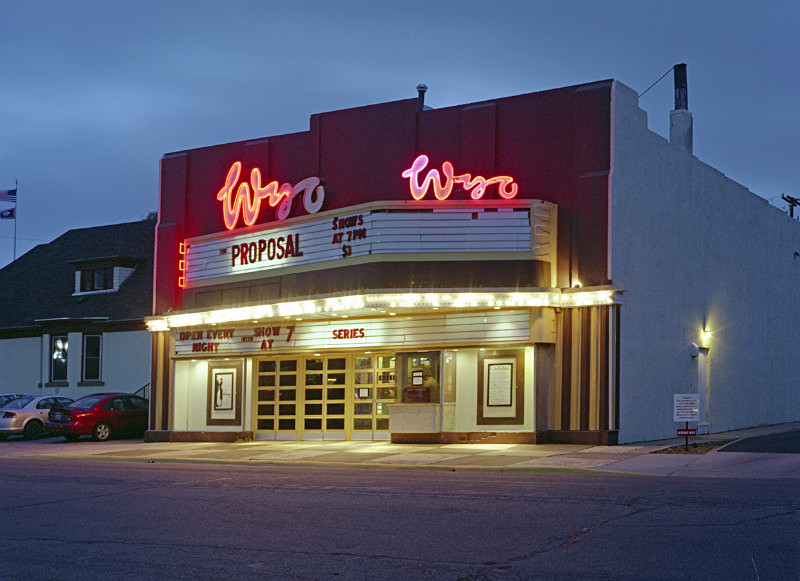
(97, 279)
(102, 275)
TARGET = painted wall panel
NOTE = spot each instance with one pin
(126, 360)
(19, 360)
(693, 249)
(125, 364)
(465, 416)
(190, 398)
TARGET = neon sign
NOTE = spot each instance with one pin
(245, 199)
(506, 188)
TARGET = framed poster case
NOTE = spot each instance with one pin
(224, 399)
(500, 388)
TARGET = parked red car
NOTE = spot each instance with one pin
(102, 416)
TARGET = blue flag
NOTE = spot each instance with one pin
(8, 214)
(8, 195)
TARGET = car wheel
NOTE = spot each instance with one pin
(102, 432)
(71, 437)
(33, 429)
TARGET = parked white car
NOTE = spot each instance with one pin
(7, 397)
(27, 415)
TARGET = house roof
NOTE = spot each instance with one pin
(37, 289)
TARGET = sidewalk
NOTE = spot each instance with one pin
(631, 458)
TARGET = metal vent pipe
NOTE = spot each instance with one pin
(421, 88)
(681, 89)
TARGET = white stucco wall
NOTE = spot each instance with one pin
(694, 249)
(126, 360)
(466, 413)
(125, 364)
(190, 398)
(189, 395)
(19, 360)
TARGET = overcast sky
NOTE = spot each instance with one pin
(94, 93)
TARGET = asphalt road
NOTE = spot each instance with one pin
(75, 519)
(785, 443)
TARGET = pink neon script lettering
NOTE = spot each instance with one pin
(506, 188)
(247, 197)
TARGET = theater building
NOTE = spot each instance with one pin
(534, 268)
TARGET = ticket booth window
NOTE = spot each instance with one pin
(422, 378)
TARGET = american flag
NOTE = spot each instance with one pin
(8, 195)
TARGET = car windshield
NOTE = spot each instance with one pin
(19, 403)
(87, 402)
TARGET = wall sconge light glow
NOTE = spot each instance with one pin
(706, 335)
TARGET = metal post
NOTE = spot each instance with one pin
(16, 189)
(687, 436)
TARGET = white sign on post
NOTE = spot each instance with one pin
(687, 407)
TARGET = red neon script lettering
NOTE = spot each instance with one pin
(245, 199)
(506, 188)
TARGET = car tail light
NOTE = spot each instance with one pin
(9, 415)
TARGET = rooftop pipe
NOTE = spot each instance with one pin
(421, 88)
(680, 120)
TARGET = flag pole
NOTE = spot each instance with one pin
(16, 187)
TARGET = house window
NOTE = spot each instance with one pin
(58, 365)
(97, 279)
(92, 355)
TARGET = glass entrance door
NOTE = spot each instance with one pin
(373, 391)
(324, 397)
(276, 394)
